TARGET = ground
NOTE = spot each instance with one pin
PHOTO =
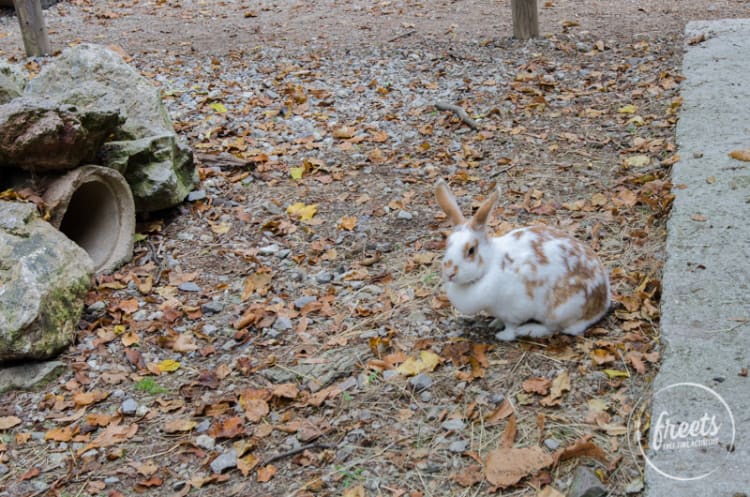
(291, 335)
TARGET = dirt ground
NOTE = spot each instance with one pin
(287, 339)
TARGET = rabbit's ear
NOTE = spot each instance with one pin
(447, 202)
(480, 217)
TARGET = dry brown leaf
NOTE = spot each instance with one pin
(266, 473)
(560, 385)
(184, 343)
(507, 466)
(63, 434)
(145, 469)
(549, 491)
(504, 410)
(509, 433)
(743, 154)
(112, 435)
(635, 358)
(255, 409)
(7, 422)
(583, 447)
(470, 475)
(347, 223)
(537, 385)
(228, 428)
(179, 426)
(286, 391)
(256, 283)
(247, 463)
(32, 473)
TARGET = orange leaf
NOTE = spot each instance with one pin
(509, 433)
(229, 428)
(128, 306)
(507, 466)
(129, 338)
(583, 447)
(266, 473)
(504, 410)
(154, 481)
(32, 473)
(179, 425)
(537, 385)
(247, 463)
(255, 409)
(469, 476)
(743, 155)
(286, 391)
(63, 434)
(347, 223)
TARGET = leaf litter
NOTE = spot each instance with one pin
(319, 354)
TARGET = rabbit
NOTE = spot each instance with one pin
(535, 280)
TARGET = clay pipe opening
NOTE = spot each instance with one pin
(93, 206)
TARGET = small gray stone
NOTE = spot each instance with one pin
(142, 410)
(635, 486)
(405, 215)
(420, 382)
(111, 480)
(268, 249)
(282, 323)
(96, 307)
(323, 277)
(4, 470)
(389, 373)
(458, 446)
(453, 425)
(227, 460)
(205, 442)
(425, 396)
(303, 301)
(552, 444)
(196, 195)
(586, 484)
(189, 286)
(140, 315)
(128, 407)
(203, 426)
(212, 307)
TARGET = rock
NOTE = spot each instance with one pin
(145, 149)
(635, 486)
(44, 278)
(405, 215)
(420, 382)
(552, 444)
(196, 195)
(333, 364)
(189, 286)
(4, 470)
(586, 484)
(282, 323)
(303, 301)
(128, 407)
(212, 307)
(453, 425)
(205, 442)
(38, 134)
(9, 89)
(226, 460)
(29, 376)
(458, 446)
(323, 277)
(269, 249)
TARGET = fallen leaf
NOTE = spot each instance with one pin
(179, 426)
(470, 475)
(627, 109)
(286, 391)
(302, 211)
(537, 385)
(560, 385)
(583, 447)
(168, 366)
(343, 133)
(347, 223)
(218, 107)
(507, 466)
(549, 491)
(615, 373)
(427, 361)
(32, 473)
(63, 434)
(509, 434)
(258, 282)
(184, 343)
(7, 422)
(247, 464)
(266, 473)
(255, 409)
(296, 172)
(743, 155)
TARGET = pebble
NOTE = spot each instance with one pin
(458, 446)
(111, 480)
(4, 469)
(128, 407)
(226, 460)
(212, 307)
(142, 410)
(189, 286)
(282, 323)
(389, 373)
(96, 307)
(405, 215)
(269, 249)
(303, 301)
(196, 195)
(453, 425)
(420, 382)
(552, 444)
(203, 426)
(140, 315)
(425, 396)
(205, 442)
(323, 277)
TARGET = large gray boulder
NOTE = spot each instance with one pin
(40, 135)
(44, 278)
(12, 82)
(158, 166)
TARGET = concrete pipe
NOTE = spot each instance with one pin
(93, 206)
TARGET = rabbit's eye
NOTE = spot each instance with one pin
(471, 250)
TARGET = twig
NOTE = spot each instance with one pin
(459, 112)
(223, 160)
(402, 35)
(294, 452)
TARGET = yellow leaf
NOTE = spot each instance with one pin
(218, 107)
(247, 463)
(220, 228)
(627, 109)
(598, 200)
(614, 373)
(427, 361)
(119, 329)
(638, 160)
(179, 425)
(296, 172)
(549, 491)
(302, 211)
(168, 365)
(348, 223)
(743, 155)
(256, 283)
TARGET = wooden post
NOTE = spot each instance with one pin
(34, 33)
(525, 19)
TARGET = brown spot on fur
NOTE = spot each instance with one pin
(518, 235)
(470, 250)
(596, 301)
(538, 247)
(507, 261)
(532, 285)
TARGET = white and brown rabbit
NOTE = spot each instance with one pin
(536, 280)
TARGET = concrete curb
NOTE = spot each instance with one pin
(706, 283)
